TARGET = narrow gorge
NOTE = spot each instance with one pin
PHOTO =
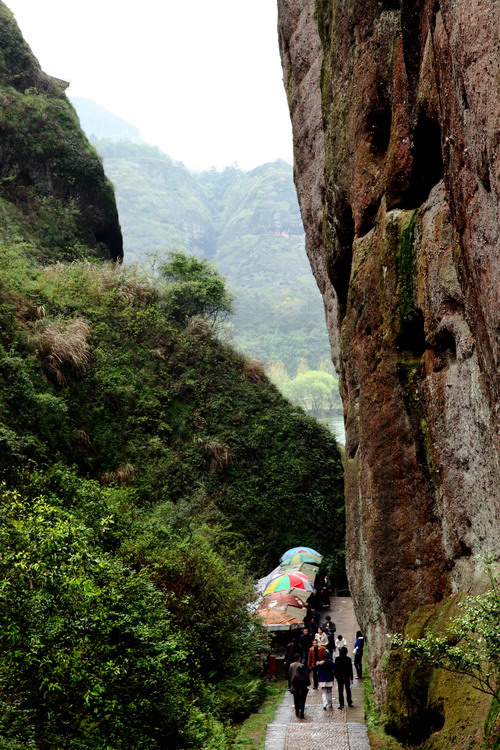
(395, 114)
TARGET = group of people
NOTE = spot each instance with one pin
(319, 653)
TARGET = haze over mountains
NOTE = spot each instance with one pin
(247, 223)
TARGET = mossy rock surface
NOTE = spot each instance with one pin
(433, 708)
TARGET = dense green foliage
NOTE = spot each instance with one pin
(314, 390)
(247, 223)
(147, 468)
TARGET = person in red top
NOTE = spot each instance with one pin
(316, 654)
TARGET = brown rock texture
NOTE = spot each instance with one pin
(396, 115)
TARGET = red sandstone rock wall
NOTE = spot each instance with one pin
(396, 109)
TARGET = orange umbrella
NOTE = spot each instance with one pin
(275, 619)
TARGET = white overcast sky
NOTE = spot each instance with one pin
(201, 79)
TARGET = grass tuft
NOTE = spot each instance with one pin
(253, 370)
(62, 344)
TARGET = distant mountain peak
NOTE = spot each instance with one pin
(99, 122)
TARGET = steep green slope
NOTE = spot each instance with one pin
(161, 205)
(97, 374)
(248, 223)
(52, 185)
(165, 453)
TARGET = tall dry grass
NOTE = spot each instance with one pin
(62, 345)
(121, 475)
(253, 370)
(220, 455)
(129, 283)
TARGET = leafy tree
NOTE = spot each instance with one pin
(313, 390)
(86, 645)
(193, 288)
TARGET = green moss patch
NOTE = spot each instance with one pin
(433, 708)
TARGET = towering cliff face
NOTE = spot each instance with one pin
(52, 184)
(396, 119)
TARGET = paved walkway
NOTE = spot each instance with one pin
(335, 729)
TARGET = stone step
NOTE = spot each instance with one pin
(319, 729)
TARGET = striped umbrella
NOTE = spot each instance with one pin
(298, 559)
(289, 581)
(301, 550)
(263, 582)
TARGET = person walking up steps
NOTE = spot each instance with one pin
(316, 654)
(325, 680)
(300, 688)
(292, 671)
(344, 677)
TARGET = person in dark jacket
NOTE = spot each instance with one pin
(328, 624)
(305, 642)
(331, 641)
(300, 688)
(358, 654)
(292, 671)
(344, 676)
(325, 679)
(290, 651)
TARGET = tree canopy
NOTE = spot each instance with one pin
(193, 288)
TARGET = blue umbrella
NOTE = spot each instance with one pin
(296, 550)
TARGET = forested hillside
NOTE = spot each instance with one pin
(147, 472)
(248, 223)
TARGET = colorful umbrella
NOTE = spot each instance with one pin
(263, 582)
(289, 581)
(285, 601)
(295, 550)
(309, 570)
(300, 558)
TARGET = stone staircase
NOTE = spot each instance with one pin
(323, 730)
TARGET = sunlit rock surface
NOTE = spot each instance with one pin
(395, 111)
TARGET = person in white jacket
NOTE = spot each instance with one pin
(340, 642)
(322, 638)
